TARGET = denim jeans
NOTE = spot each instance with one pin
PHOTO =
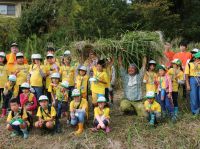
(38, 91)
(194, 95)
(78, 119)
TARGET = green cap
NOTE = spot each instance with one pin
(150, 94)
(161, 67)
(177, 62)
(197, 55)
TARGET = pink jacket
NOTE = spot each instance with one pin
(168, 83)
(24, 99)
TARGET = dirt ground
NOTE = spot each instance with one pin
(128, 132)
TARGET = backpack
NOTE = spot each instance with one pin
(29, 118)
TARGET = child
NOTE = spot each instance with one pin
(78, 111)
(51, 67)
(152, 108)
(17, 119)
(177, 77)
(99, 82)
(27, 99)
(3, 73)
(37, 75)
(51, 50)
(193, 83)
(150, 77)
(21, 70)
(54, 86)
(67, 72)
(46, 114)
(101, 115)
(10, 91)
(82, 82)
(165, 92)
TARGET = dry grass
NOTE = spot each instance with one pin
(127, 132)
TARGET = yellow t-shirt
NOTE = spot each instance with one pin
(17, 115)
(105, 112)
(82, 83)
(192, 70)
(161, 82)
(48, 116)
(49, 68)
(4, 73)
(98, 87)
(23, 73)
(155, 106)
(175, 76)
(68, 74)
(83, 105)
(150, 78)
(36, 78)
(10, 87)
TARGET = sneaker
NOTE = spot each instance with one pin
(14, 134)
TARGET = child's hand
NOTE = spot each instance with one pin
(170, 95)
(188, 87)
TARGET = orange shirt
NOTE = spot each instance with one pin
(169, 55)
(11, 61)
(183, 56)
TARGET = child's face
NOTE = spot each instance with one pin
(82, 72)
(167, 46)
(99, 68)
(20, 60)
(50, 60)
(131, 70)
(25, 90)
(152, 67)
(1, 59)
(183, 48)
(37, 61)
(67, 60)
(14, 49)
(12, 83)
(101, 105)
(14, 106)
(62, 89)
(161, 72)
(44, 104)
(55, 80)
(150, 100)
(77, 98)
(175, 66)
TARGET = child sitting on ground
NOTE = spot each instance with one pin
(17, 119)
(46, 114)
(78, 111)
(101, 115)
(28, 99)
(152, 108)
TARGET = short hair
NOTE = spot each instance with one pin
(101, 62)
(14, 100)
(183, 43)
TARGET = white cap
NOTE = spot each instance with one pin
(43, 97)
(84, 68)
(101, 99)
(150, 94)
(50, 55)
(19, 54)
(152, 62)
(55, 75)
(76, 92)
(195, 50)
(12, 78)
(36, 56)
(2, 54)
(25, 85)
(65, 84)
(67, 52)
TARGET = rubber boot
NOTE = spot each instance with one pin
(80, 129)
(25, 133)
(152, 120)
(176, 111)
(3, 113)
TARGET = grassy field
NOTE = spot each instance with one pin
(128, 132)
